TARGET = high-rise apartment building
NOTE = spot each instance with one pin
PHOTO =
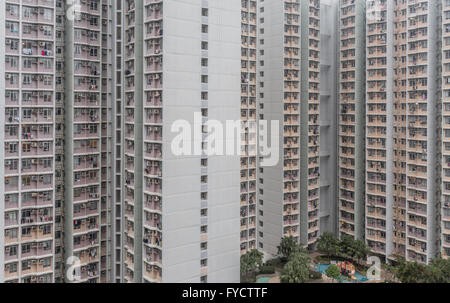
(297, 61)
(402, 145)
(86, 161)
(289, 41)
(391, 180)
(31, 185)
(92, 90)
(351, 118)
(180, 215)
(379, 126)
(402, 211)
(95, 94)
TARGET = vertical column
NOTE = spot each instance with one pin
(445, 135)
(352, 119)
(400, 125)
(120, 159)
(248, 175)
(2, 148)
(152, 62)
(83, 160)
(309, 121)
(107, 143)
(379, 106)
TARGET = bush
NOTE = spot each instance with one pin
(267, 269)
(277, 262)
(248, 280)
(333, 272)
(297, 269)
(315, 275)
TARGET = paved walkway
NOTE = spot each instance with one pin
(275, 279)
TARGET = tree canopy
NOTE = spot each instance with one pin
(296, 269)
(346, 247)
(328, 244)
(287, 247)
(438, 271)
(251, 261)
(333, 272)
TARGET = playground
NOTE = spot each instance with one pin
(347, 270)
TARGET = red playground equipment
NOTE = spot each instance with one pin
(347, 269)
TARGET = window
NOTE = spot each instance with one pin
(203, 262)
(26, 231)
(12, 268)
(46, 229)
(11, 251)
(26, 265)
(26, 248)
(47, 262)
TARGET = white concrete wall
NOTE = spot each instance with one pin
(181, 174)
(273, 110)
(224, 171)
(328, 115)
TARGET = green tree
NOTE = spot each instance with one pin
(434, 275)
(296, 269)
(333, 272)
(361, 250)
(444, 267)
(287, 247)
(411, 272)
(347, 246)
(438, 271)
(250, 262)
(328, 244)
